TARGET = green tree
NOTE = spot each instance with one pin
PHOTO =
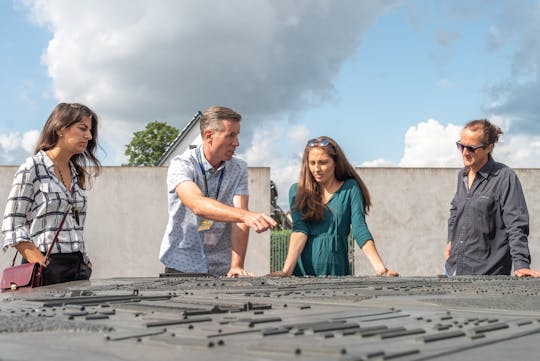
(148, 145)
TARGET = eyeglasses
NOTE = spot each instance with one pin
(470, 148)
(318, 143)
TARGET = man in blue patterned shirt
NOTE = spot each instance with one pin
(209, 220)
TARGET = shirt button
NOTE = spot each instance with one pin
(76, 247)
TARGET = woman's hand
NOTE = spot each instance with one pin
(278, 274)
(388, 273)
(377, 263)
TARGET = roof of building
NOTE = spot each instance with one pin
(179, 138)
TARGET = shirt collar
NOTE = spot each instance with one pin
(206, 164)
(485, 171)
(488, 168)
(49, 164)
(46, 160)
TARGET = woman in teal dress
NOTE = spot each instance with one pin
(327, 204)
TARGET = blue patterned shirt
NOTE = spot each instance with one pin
(184, 247)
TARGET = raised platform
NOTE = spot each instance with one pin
(205, 318)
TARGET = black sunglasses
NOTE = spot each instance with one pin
(318, 143)
(470, 148)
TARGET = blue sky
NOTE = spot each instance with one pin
(391, 81)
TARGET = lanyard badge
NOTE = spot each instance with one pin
(205, 225)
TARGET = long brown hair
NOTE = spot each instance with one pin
(309, 195)
(63, 116)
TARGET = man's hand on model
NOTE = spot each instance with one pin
(525, 272)
(259, 222)
(238, 271)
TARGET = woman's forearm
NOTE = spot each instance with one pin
(30, 252)
(374, 258)
(296, 246)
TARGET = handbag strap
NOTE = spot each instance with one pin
(55, 239)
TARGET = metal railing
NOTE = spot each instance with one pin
(279, 246)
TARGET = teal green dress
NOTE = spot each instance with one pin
(327, 248)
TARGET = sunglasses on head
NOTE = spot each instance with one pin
(470, 148)
(318, 143)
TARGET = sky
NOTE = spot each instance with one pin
(393, 82)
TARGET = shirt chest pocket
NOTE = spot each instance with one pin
(484, 215)
(52, 193)
(484, 204)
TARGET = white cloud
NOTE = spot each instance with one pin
(29, 141)
(14, 146)
(298, 134)
(266, 150)
(518, 150)
(380, 162)
(9, 142)
(262, 150)
(140, 60)
(431, 144)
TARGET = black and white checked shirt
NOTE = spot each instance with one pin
(36, 204)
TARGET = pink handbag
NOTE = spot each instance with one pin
(27, 275)
(22, 275)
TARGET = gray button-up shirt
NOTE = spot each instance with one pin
(184, 247)
(488, 224)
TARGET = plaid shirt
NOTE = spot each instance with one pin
(36, 204)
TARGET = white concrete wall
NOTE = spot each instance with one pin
(409, 217)
(128, 213)
(127, 216)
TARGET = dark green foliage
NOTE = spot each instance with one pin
(148, 145)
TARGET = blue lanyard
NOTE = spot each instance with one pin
(199, 159)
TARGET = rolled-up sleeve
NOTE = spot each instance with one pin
(15, 224)
(180, 170)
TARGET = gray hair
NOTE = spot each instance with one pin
(213, 117)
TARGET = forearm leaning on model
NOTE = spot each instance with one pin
(239, 240)
(296, 246)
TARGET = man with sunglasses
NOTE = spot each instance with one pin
(489, 223)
